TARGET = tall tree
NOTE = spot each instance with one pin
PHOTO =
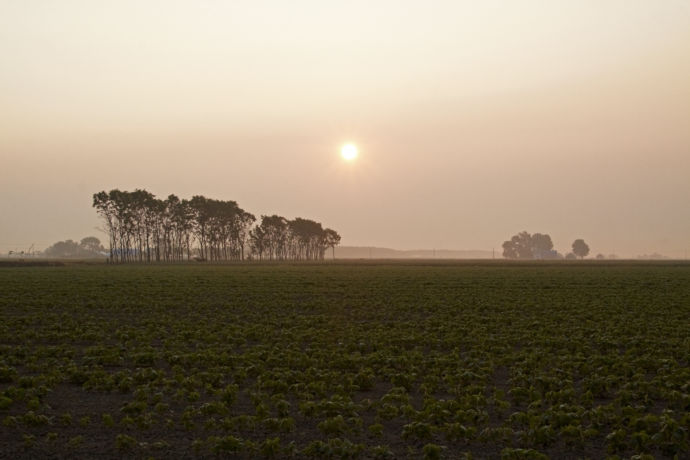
(104, 208)
(331, 239)
(258, 241)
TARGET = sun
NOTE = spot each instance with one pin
(349, 152)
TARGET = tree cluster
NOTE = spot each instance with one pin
(277, 238)
(539, 246)
(143, 228)
(527, 246)
(89, 247)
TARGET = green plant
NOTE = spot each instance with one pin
(125, 442)
(376, 429)
(75, 441)
(28, 440)
(5, 402)
(108, 420)
(432, 451)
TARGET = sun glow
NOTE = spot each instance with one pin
(349, 152)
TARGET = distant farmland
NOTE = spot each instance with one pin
(366, 252)
(332, 360)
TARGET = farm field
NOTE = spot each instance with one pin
(346, 360)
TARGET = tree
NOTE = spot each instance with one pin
(257, 241)
(270, 238)
(570, 256)
(104, 207)
(308, 237)
(331, 239)
(580, 248)
(518, 247)
(526, 246)
(542, 246)
(91, 244)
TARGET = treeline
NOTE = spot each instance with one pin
(143, 228)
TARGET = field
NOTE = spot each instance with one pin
(369, 360)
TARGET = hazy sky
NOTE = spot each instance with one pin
(474, 119)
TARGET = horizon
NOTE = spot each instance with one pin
(346, 252)
(399, 124)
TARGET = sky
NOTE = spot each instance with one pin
(474, 120)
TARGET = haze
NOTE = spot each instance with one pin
(473, 120)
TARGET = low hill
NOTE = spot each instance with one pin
(366, 252)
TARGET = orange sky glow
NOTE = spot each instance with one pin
(473, 120)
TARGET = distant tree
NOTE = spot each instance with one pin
(601, 256)
(570, 256)
(526, 246)
(542, 246)
(518, 247)
(91, 244)
(580, 248)
(89, 247)
(63, 249)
